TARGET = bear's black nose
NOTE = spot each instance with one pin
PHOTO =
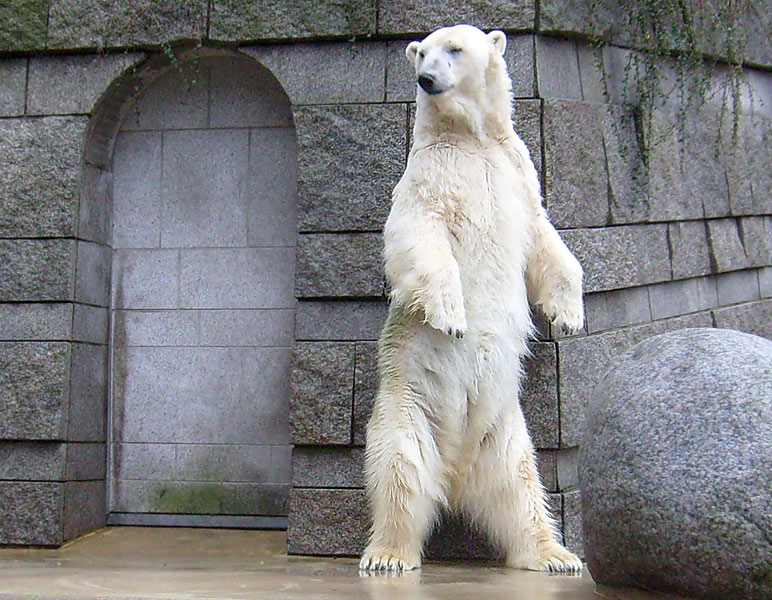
(427, 83)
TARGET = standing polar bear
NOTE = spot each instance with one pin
(467, 242)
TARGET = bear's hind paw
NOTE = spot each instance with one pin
(386, 561)
(558, 559)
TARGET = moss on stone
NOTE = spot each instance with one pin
(23, 24)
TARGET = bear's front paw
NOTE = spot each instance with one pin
(446, 314)
(556, 558)
(386, 561)
(570, 320)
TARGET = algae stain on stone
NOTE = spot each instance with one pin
(199, 498)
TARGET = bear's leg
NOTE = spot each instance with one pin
(402, 468)
(503, 494)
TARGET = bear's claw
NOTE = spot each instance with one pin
(385, 561)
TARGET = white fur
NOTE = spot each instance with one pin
(466, 243)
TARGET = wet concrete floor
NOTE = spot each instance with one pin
(143, 563)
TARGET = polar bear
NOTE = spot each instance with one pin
(467, 243)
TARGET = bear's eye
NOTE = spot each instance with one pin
(421, 54)
(456, 50)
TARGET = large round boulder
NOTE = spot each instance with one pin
(676, 467)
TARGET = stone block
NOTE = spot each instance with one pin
(237, 278)
(689, 249)
(24, 25)
(618, 308)
(750, 171)
(34, 390)
(84, 507)
(39, 184)
(567, 468)
(752, 317)
(339, 527)
(37, 270)
(234, 463)
(105, 24)
(547, 463)
(321, 393)
(85, 462)
(157, 328)
(621, 257)
(13, 74)
(400, 17)
(572, 522)
(539, 396)
(576, 184)
(343, 72)
(32, 461)
(272, 211)
(557, 69)
(245, 388)
(519, 56)
(604, 19)
(727, 249)
(152, 462)
(583, 361)
(64, 85)
(526, 119)
(757, 239)
(88, 393)
(208, 170)
(264, 20)
(401, 82)
(201, 498)
(328, 467)
(96, 204)
(765, 282)
(31, 513)
(245, 94)
(137, 168)
(349, 160)
(35, 321)
(339, 265)
(674, 298)
(92, 276)
(365, 388)
(269, 327)
(90, 324)
(738, 286)
(344, 320)
(591, 72)
(756, 26)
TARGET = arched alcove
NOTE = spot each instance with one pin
(198, 157)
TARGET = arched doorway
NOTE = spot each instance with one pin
(202, 313)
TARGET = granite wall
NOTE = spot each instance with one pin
(681, 237)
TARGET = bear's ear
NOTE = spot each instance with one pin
(411, 51)
(499, 40)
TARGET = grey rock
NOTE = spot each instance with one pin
(92, 274)
(576, 184)
(39, 183)
(591, 72)
(689, 251)
(339, 265)
(539, 396)
(321, 393)
(727, 248)
(328, 467)
(32, 461)
(519, 56)
(739, 286)
(583, 361)
(396, 17)
(84, 508)
(35, 321)
(557, 69)
(627, 176)
(96, 203)
(88, 393)
(752, 317)
(85, 462)
(34, 390)
(675, 467)
(339, 525)
(618, 308)
(603, 19)
(340, 320)
(61, 85)
(265, 20)
(765, 282)
(90, 324)
(104, 24)
(526, 119)
(757, 239)
(24, 25)
(31, 513)
(343, 72)
(674, 298)
(349, 160)
(573, 535)
(567, 468)
(365, 388)
(621, 257)
(756, 27)
(546, 461)
(756, 134)
(13, 74)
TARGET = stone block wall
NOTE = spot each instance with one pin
(681, 239)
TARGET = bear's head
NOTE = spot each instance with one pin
(461, 74)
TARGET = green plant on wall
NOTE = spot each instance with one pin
(683, 55)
